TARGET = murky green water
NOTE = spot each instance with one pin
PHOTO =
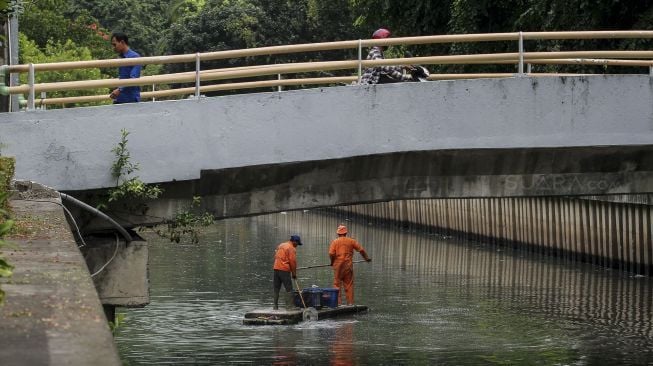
(433, 300)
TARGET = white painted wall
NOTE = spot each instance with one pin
(71, 149)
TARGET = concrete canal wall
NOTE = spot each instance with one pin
(603, 232)
(51, 314)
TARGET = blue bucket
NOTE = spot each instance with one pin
(312, 297)
(315, 296)
(330, 297)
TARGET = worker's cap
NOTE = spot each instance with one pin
(342, 229)
(381, 33)
(296, 239)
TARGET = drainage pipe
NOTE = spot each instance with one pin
(95, 211)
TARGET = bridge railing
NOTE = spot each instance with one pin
(521, 58)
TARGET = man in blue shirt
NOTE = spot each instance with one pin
(125, 94)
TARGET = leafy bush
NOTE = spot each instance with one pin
(6, 174)
(57, 52)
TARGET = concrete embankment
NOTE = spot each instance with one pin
(610, 231)
(52, 314)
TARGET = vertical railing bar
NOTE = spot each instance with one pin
(153, 89)
(43, 96)
(197, 75)
(650, 70)
(529, 68)
(279, 87)
(30, 81)
(12, 46)
(521, 54)
(360, 60)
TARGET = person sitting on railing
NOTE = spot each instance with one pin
(125, 94)
(383, 74)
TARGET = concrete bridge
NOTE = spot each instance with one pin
(485, 139)
(267, 152)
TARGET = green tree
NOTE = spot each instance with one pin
(52, 22)
(144, 21)
(223, 25)
(55, 52)
(423, 17)
(179, 9)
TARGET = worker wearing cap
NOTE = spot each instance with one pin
(285, 266)
(386, 73)
(341, 252)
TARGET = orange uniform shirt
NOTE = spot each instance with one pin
(285, 258)
(343, 249)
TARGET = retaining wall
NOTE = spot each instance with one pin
(611, 234)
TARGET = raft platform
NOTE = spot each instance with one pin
(289, 317)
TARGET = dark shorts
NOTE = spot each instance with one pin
(282, 277)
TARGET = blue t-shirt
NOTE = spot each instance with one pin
(129, 94)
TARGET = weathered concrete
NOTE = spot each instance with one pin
(411, 175)
(175, 140)
(124, 281)
(52, 315)
(432, 174)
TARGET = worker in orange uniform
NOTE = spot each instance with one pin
(341, 252)
(285, 266)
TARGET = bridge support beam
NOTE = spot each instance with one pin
(270, 188)
(121, 275)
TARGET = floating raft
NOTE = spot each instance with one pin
(287, 317)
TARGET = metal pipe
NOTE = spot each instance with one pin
(279, 88)
(498, 58)
(209, 88)
(324, 46)
(95, 211)
(12, 43)
(197, 75)
(30, 81)
(521, 54)
(43, 96)
(360, 60)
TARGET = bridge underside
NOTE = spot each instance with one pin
(473, 173)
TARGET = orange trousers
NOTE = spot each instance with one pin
(343, 275)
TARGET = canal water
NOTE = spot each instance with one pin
(432, 299)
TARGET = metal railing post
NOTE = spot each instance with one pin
(153, 89)
(279, 88)
(43, 96)
(529, 68)
(30, 81)
(12, 47)
(521, 54)
(650, 70)
(197, 75)
(360, 60)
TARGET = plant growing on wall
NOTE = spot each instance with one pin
(133, 191)
(129, 188)
(186, 224)
(5, 226)
(6, 173)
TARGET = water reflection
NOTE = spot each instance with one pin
(341, 345)
(432, 300)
